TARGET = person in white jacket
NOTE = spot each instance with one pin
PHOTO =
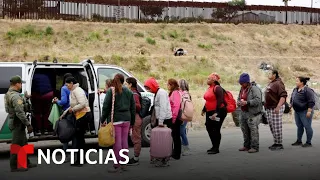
(79, 106)
(162, 108)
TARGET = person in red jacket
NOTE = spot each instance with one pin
(215, 110)
(131, 83)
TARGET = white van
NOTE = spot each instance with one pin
(92, 78)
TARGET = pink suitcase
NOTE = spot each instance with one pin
(161, 142)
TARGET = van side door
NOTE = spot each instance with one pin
(93, 92)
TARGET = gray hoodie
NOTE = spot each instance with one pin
(254, 100)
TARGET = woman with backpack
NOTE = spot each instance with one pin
(215, 111)
(124, 114)
(184, 88)
(131, 83)
(303, 102)
(175, 102)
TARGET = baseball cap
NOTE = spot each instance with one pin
(16, 79)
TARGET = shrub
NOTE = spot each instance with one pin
(151, 41)
(185, 40)
(49, 31)
(174, 34)
(205, 46)
(139, 34)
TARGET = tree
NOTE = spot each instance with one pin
(152, 11)
(226, 14)
(286, 5)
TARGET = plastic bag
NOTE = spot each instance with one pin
(54, 114)
(106, 135)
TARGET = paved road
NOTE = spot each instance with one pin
(291, 163)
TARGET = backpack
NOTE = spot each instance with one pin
(316, 100)
(145, 103)
(186, 107)
(230, 102)
(65, 128)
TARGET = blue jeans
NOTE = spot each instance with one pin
(302, 123)
(183, 134)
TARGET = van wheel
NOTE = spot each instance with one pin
(146, 132)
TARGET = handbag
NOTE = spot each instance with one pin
(106, 134)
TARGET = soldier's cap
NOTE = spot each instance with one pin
(16, 79)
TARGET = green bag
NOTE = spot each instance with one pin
(54, 114)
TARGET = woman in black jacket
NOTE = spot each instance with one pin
(303, 102)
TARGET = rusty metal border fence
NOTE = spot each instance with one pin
(172, 11)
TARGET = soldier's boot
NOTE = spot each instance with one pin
(19, 170)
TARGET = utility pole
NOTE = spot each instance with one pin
(311, 12)
(286, 5)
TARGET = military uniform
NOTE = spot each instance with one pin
(15, 106)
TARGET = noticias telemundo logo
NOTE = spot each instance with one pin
(58, 156)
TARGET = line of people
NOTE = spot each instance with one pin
(250, 97)
(167, 106)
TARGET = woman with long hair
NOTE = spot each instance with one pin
(124, 115)
(184, 88)
(79, 106)
(131, 83)
(215, 111)
(175, 101)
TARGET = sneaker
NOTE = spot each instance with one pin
(38, 133)
(307, 145)
(253, 150)
(277, 147)
(115, 170)
(45, 132)
(209, 150)
(162, 164)
(213, 151)
(19, 170)
(133, 162)
(175, 158)
(244, 149)
(297, 143)
(274, 145)
(32, 165)
(93, 132)
(153, 161)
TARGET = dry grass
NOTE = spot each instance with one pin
(146, 49)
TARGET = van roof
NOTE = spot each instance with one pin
(51, 63)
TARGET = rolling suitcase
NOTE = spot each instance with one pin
(161, 143)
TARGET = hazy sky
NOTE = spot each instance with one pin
(305, 3)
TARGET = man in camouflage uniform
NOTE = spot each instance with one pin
(17, 119)
(250, 100)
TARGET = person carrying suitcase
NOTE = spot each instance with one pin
(162, 115)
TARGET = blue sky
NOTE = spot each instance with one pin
(304, 3)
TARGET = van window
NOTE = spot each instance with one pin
(108, 73)
(6, 73)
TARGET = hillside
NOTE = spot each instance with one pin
(147, 49)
